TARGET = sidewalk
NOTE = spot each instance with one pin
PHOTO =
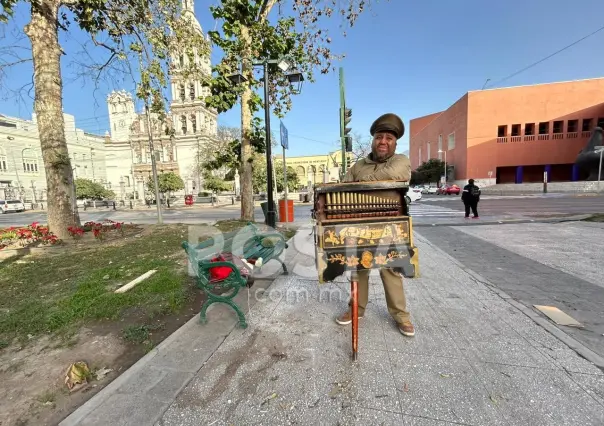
(476, 359)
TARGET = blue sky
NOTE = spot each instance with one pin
(407, 57)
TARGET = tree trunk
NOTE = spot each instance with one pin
(246, 173)
(48, 105)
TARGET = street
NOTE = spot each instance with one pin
(430, 210)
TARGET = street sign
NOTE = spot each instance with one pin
(284, 141)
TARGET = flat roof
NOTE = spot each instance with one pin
(538, 84)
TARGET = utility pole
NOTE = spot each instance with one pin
(342, 107)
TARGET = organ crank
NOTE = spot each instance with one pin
(363, 225)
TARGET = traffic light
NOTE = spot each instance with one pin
(348, 143)
(347, 118)
(348, 161)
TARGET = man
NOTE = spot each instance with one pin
(470, 197)
(383, 164)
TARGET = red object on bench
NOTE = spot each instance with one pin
(219, 273)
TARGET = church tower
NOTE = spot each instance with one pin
(194, 124)
(189, 115)
(121, 114)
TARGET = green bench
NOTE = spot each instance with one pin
(247, 243)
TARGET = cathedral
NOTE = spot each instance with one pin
(128, 157)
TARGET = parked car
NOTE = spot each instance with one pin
(449, 190)
(11, 206)
(413, 195)
(429, 189)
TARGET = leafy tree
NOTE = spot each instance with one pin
(248, 38)
(430, 171)
(148, 30)
(87, 189)
(168, 182)
(292, 178)
(214, 183)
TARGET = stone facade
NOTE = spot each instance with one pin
(129, 155)
(22, 173)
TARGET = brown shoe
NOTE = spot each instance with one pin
(407, 329)
(346, 318)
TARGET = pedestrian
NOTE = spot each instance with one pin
(470, 197)
(383, 164)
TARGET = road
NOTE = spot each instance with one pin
(430, 210)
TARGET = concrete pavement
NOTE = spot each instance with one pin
(478, 358)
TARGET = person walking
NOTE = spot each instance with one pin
(470, 197)
(383, 164)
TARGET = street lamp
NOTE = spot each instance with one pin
(440, 151)
(294, 77)
(599, 150)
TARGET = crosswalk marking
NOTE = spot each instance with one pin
(489, 197)
(423, 210)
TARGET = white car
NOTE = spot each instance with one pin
(11, 206)
(413, 195)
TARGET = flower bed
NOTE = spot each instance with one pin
(98, 229)
(27, 236)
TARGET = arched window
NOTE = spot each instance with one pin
(182, 92)
(194, 123)
(192, 91)
(3, 160)
(30, 161)
(183, 124)
(181, 60)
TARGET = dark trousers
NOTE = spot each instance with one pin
(471, 205)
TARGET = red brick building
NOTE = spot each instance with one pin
(512, 135)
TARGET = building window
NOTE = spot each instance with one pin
(529, 129)
(440, 147)
(3, 162)
(181, 60)
(192, 91)
(419, 162)
(183, 124)
(502, 131)
(30, 162)
(451, 141)
(182, 92)
(586, 124)
(544, 128)
(572, 126)
(600, 122)
(193, 123)
(428, 152)
(515, 129)
(559, 126)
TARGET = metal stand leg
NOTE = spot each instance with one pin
(354, 292)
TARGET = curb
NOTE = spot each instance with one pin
(554, 330)
(508, 221)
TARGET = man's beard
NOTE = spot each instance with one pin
(380, 156)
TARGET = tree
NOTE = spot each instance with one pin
(429, 171)
(148, 29)
(168, 182)
(87, 189)
(214, 183)
(292, 178)
(248, 36)
(361, 146)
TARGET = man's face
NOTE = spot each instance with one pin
(383, 146)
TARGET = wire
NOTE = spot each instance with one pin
(546, 58)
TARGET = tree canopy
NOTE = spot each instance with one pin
(428, 172)
(168, 182)
(87, 189)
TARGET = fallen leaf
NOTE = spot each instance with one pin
(493, 399)
(77, 373)
(445, 375)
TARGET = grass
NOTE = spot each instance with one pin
(58, 293)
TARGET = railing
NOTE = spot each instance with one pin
(558, 136)
(503, 139)
(516, 138)
(572, 135)
(543, 137)
(529, 138)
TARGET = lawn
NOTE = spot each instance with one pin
(57, 308)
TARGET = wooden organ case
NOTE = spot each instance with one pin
(362, 226)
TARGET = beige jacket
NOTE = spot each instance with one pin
(397, 167)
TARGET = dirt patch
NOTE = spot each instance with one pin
(33, 391)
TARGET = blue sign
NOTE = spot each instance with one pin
(284, 141)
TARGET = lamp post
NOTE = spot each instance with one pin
(599, 150)
(440, 151)
(293, 77)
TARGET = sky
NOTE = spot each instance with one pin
(411, 58)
